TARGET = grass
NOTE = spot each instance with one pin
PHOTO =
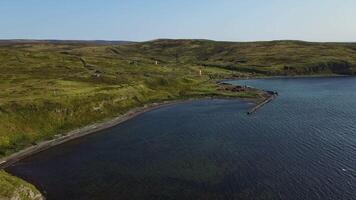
(14, 188)
(267, 58)
(48, 89)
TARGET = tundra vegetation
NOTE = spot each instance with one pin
(49, 88)
(15, 188)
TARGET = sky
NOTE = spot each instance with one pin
(142, 20)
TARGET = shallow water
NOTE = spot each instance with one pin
(300, 146)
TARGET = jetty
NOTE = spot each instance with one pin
(272, 95)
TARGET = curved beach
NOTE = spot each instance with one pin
(211, 148)
(90, 129)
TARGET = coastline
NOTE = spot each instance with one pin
(87, 130)
(108, 123)
(92, 129)
(296, 76)
(134, 112)
(287, 77)
(95, 128)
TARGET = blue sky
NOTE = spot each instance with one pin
(140, 20)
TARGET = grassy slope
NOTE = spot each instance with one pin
(47, 89)
(14, 188)
(268, 58)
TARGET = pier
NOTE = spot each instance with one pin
(273, 94)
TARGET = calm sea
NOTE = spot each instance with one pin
(301, 146)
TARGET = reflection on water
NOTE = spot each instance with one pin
(300, 146)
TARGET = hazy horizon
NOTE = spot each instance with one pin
(103, 40)
(226, 20)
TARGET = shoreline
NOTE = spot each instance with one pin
(287, 77)
(108, 123)
(87, 130)
(267, 97)
(299, 76)
(134, 112)
(111, 122)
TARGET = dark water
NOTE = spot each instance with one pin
(300, 146)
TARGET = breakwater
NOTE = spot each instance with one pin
(272, 95)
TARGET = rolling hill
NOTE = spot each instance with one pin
(48, 88)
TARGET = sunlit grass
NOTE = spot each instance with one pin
(48, 89)
(12, 188)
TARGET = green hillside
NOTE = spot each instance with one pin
(49, 88)
(14, 188)
(268, 58)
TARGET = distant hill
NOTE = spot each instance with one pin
(98, 42)
(254, 58)
(268, 58)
